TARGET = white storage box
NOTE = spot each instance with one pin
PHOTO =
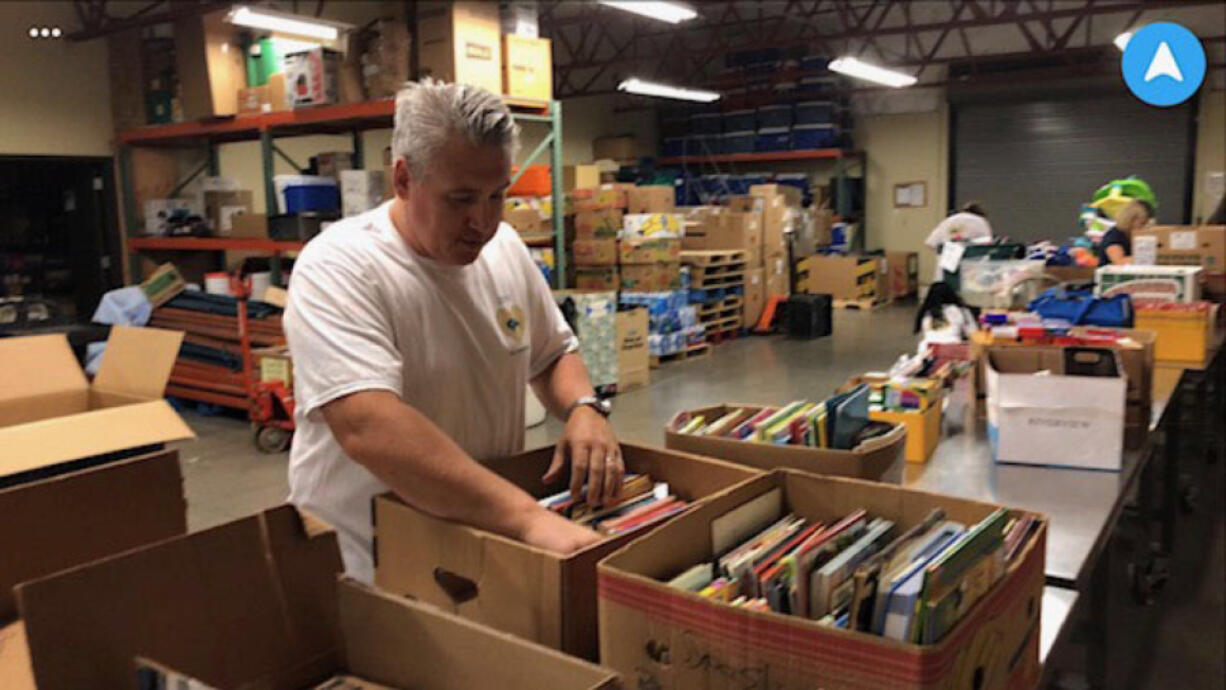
(1166, 283)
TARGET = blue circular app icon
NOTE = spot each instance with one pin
(1163, 64)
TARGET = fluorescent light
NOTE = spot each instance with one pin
(283, 22)
(862, 70)
(670, 12)
(648, 88)
(1122, 40)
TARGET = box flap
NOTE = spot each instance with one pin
(37, 366)
(236, 602)
(15, 658)
(138, 361)
(52, 441)
(75, 518)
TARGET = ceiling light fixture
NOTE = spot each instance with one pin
(283, 22)
(671, 12)
(1122, 40)
(648, 88)
(55, 32)
(862, 70)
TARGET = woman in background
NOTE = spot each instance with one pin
(1116, 244)
(969, 224)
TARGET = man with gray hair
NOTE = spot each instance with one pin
(415, 329)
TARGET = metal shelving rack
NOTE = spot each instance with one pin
(351, 118)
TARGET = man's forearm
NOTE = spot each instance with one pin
(562, 384)
(424, 466)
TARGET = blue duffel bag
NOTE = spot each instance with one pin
(1082, 308)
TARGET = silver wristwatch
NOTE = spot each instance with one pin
(604, 407)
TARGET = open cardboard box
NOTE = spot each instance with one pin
(672, 639)
(254, 603)
(508, 585)
(60, 522)
(877, 459)
(53, 420)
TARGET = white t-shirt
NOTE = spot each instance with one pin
(457, 343)
(963, 226)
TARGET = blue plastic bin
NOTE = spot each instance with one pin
(815, 113)
(798, 180)
(815, 136)
(739, 121)
(674, 146)
(706, 123)
(785, 92)
(774, 116)
(773, 139)
(739, 142)
(312, 197)
(814, 88)
(814, 63)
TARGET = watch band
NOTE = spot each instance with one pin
(601, 406)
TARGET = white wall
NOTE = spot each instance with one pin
(57, 97)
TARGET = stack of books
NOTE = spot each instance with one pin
(641, 502)
(864, 573)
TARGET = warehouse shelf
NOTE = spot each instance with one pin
(211, 244)
(765, 157)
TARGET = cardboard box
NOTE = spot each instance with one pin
(385, 58)
(603, 224)
(755, 296)
(903, 271)
(777, 279)
(361, 190)
(249, 225)
(876, 459)
(511, 586)
(652, 225)
(1167, 283)
(633, 356)
(649, 251)
(1180, 336)
(792, 196)
(526, 221)
(723, 230)
(56, 523)
(459, 42)
(527, 65)
(651, 277)
(159, 212)
(580, 177)
(221, 207)
(600, 279)
(595, 252)
(674, 640)
(923, 430)
(52, 420)
(1189, 245)
(275, 365)
(266, 585)
(841, 277)
(163, 285)
(1054, 419)
(210, 64)
(312, 77)
(651, 199)
(617, 148)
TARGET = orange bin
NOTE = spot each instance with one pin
(534, 182)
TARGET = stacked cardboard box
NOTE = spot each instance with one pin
(633, 357)
(1191, 245)
(724, 245)
(596, 225)
(778, 211)
(850, 278)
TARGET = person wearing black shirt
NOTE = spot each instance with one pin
(1116, 245)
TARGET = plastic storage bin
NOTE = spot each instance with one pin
(775, 116)
(797, 180)
(312, 197)
(814, 63)
(816, 87)
(785, 92)
(773, 139)
(706, 123)
(815, 113)
(739, 142)
(739, 121)
(815, 136)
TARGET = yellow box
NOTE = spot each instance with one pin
(1182, 336)
(923, 430)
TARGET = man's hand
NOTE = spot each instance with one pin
(547, 530)
(588, 443)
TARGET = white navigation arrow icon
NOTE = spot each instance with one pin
(1163, 64)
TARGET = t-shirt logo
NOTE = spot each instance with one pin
(512, 322)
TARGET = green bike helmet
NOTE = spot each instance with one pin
(1117, 194)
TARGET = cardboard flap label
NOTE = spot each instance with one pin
(138, 361)
(39, 364)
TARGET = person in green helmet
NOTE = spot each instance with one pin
(1116, 245)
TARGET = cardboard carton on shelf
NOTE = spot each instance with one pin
(649, 251)
(651, 199)
(657, 277)
(602, 224)
(249, 225)
(268, 586)
(777, 278)
(163, 284)
(527, 65)
(841, 277)
(52, 420)
(361, 190)
(221, 207)
(527, 221)
(723, 230)
(510, 586)
(211, 69)
(597, 278)
(595, 252)
(633, 355)
(1189, 245)
(994, 645)
(459, 42)
(755, 296)
(878, 459)
(791, 196)
(584, 176)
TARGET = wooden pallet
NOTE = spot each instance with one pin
(720, 257)
(700, 273)
(691, 352)
(722, 323)
(718, 314)
(721, 280)
(864, 303)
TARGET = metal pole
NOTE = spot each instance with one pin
(559, 198)
(270, 199)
